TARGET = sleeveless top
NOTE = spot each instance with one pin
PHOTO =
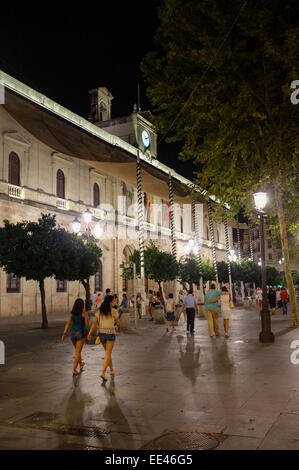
(106, 324)
(169, 305)
(225, 303)
(78, 323)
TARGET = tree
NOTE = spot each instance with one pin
(28, 249)
(207, 271)
(159, 266)
(189, 272)
(273, 276)
(222, 269)
(220, 83)
(251, 272)
(80, 260)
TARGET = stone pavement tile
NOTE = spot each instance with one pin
(240, 443)
(128, 442)
(283, 435)
(215, 400)
(240, 425)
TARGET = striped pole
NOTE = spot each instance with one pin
(196, 230)
(197, 246)
(140, 222)
(227, 245)
(212, 235)
(239, 243)
(250, 243)
(239, 256)
(172, 224)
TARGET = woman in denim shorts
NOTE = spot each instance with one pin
(78, 323)
(170, 312)
(105, 318)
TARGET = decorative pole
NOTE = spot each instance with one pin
(239, 256)
(140, 225)
(172, 221)
(211, 226)
(197, 244)
(250, 243)
(172, 228)
(227, 245)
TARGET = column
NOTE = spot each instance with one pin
(140, 228)
(211, 227)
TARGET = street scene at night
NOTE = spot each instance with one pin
(149, 229)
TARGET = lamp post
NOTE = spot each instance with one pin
(87, 235)
(266, 335)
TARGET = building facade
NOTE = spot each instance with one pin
(36, 177)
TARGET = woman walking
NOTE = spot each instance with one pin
(139, 299)
(226, 310)
(78, 323)
(105, 318)
(170, 312)
(272, 300)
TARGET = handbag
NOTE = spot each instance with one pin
(98, 340)
(181, 319)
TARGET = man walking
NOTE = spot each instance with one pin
(190, 304)
(284, 300)
(212, 310)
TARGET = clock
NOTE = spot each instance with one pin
(146, 139)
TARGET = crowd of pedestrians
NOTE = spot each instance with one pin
(108, 311)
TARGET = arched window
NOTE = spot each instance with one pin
(124, 194)
(14, 169)
(60, 184)
(207, 233)
(98, 278)
(96, 195)
(218, 236)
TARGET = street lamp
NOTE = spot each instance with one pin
(232, 256)
(189, 248)
(76, 225)
(266, 335)
(87, 233)
(281, 261)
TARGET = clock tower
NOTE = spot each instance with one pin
(136, 129)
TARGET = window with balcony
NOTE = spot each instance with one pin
(270, 256)
(98, 279)
(12, 283)
(96, 195)
(61, 286)
(60, 184)
(14, 169)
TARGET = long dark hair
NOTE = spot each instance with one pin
(105, 306)
(78, 307)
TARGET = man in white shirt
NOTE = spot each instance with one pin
(190, 304)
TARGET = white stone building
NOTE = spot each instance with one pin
(53, 161)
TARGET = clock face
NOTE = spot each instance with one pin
(145, 139)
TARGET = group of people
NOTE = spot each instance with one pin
(106, 317)
(277, 298)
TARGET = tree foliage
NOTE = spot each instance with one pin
(220, 83)
(38, 250)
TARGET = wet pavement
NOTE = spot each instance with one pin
(237, 392)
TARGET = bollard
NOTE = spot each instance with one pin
(159, 315)
(125, 321)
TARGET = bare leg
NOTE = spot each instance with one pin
(79, 346)
(107, 360)
(110, 364)
(173, 325)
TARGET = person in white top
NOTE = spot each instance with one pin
(170, 312)
(259, 296)
(105, 318)
(226, 309)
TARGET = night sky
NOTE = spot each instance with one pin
(64, 52)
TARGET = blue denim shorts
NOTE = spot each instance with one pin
(78, 335)
(106, 337)
(170, 316)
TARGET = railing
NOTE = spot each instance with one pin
(126, 220)
(62, 204)
(15, 191)
(99, 213)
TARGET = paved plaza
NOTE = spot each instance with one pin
(244, 392)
